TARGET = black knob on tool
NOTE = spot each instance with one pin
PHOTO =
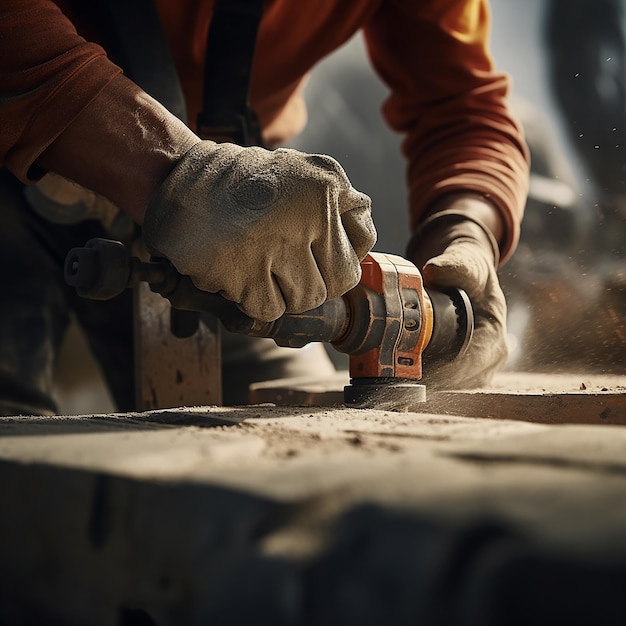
(100, 270)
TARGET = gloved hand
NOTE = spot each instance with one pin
(273, 231)
(458, 252)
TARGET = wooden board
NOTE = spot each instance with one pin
(535, 397)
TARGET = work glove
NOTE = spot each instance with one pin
(455, 251)
(274, 231)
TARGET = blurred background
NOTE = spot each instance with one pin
(566, 284)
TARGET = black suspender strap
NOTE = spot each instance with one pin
(136, 42)
(226, 113)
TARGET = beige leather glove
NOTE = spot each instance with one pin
(273, 231)
(455, 251)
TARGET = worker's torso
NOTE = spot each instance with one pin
(292, 38)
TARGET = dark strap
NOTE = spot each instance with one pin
(226, 113)
(136, 42)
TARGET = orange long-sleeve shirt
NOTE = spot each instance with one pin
(445, 96)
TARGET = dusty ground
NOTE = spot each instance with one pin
(322, 514)
(281, 515)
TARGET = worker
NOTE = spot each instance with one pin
(270, 228)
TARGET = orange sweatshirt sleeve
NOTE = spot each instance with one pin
(451, 105)
(66, 108)
(48, 75)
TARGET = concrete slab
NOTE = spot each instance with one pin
(307, 515)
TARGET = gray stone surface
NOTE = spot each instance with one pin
(309, 516)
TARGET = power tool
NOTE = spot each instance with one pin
(390, 325)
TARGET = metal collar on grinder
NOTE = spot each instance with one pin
(396, 326)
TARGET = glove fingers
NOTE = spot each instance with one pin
(462, 268)
(354, 207)
(486, 355)
(337, 262)
(346, 238)
(357, 222)
(266, 297)
(301, 284)
(488, 349)
(466, 265)
(462, 265)
(330, 168)
(262, 301)
(259, 297)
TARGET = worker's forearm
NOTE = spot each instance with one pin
(474, 207)
(123, 145)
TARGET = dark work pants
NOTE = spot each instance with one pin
(36, 307)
